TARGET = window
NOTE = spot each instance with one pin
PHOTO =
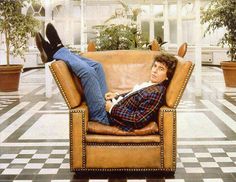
(173, 31)
(158, 11)
(36, 9)
(145, 30)
(58, 12)
(158, 30)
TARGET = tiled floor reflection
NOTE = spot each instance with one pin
(34, 135)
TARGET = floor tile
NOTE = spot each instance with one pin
(34, 166)
(11, 171)
(194, 170)
(48, 171)
(229, 169)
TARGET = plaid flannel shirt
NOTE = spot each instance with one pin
(137, 110)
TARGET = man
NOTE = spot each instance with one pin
(130, 111)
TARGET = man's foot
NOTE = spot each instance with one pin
(44, 48)
(53, 37)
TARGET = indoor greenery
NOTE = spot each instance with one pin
(118, 37)
(222, 13)
(16, 27)
(115, 35)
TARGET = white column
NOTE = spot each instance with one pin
(179, 23)
(48, 75)
(82, 44)
(166, 25)
(68, 26)
(198, 50)
(48, 11)
(48, 81)
(151, 24)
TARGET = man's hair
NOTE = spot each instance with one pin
(169, 60)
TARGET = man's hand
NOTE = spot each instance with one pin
(110, 95)
(108, 105)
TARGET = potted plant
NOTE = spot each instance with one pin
(16, 28)
(120, 31)
(221, 13)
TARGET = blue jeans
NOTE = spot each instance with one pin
(93, 81)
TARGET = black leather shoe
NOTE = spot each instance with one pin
(44, 48)
(53, 37)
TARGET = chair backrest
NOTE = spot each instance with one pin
(182, 50)
(179, 82)
(155, 45)
(123, 69)
(91, 46)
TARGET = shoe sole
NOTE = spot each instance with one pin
(39, 45)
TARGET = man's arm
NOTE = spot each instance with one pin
(139, 116)
(111, 95)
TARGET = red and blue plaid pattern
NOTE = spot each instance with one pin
(137, 110)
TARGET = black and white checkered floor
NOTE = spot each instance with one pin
(34, 134)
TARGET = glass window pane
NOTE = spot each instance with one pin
(188, 9)
(188, 31)
(158, 11)
(173, 31)
(91, 33)
(145, 30)
(59, 11)
(30, 11)
(146, 10)
(36, 7)
(76, 11)
(77, 38)
(158, 30)
(42, 12)
(172, 10)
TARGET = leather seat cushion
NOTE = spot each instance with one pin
(95, 127)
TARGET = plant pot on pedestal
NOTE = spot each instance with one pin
(10, 77)
(229, 70)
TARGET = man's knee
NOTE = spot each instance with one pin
(98, 66)
(89, 72)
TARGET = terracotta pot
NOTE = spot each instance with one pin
(10, 77)
(229, 70)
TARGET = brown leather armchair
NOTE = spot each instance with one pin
(91, 151)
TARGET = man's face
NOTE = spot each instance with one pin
(158, 72)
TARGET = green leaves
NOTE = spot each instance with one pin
(117, 37)
(16, 26)
(222, 13)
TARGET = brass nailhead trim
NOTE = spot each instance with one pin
(60, 87)
(122, 144)
(184, 86)
(71, 141)
(83, 141)
(173, 137)
(174, 141)
(162, 140)
(126, 169)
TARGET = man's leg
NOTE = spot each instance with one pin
(89, 80)
(100, 73)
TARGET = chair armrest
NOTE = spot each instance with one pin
(78, 129)
(167, 128)
(66, 84)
